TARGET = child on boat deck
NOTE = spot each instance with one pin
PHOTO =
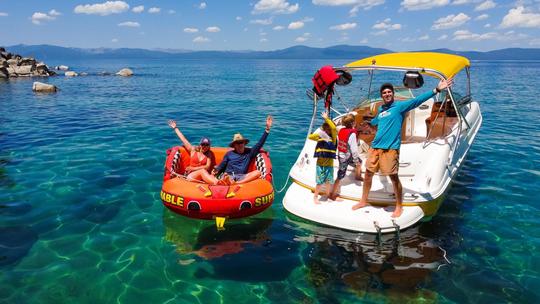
(325, 152)
(347, 153)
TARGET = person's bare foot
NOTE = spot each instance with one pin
(316, 200)
(359, 205)
(397, 212)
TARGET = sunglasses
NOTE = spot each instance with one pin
(205, 145)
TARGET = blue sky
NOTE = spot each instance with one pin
(273, 24)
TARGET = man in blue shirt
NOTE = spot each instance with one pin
(383, 155)
(235, 163)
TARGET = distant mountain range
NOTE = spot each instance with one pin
(48, 52)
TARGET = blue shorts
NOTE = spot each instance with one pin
(324, 175)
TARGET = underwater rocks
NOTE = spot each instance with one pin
(14, 65)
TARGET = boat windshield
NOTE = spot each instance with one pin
(400, 93)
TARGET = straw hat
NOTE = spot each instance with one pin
(238, 138)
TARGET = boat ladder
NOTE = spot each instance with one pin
(380, 230)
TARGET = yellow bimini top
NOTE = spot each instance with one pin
(446, 64)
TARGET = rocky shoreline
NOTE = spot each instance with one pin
(14, 65)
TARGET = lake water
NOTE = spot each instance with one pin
(81, 220)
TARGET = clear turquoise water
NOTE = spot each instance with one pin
(81, 220)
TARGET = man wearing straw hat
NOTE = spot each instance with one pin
(235, 163)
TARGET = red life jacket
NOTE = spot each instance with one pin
(324, 79)
(343, 139)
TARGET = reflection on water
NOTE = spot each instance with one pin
(363, 264)
(244, 251)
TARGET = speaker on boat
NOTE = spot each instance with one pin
(413, 80)
(344, 77)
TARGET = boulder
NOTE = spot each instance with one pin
(11, 71)
(61, 67)
(70, 74)
(43, 87)
(27, 61)
(104, 73)
(3, 72)
(83, 74)
(2, 49)
(6, 55)
(125, 72)
(24, 70)
(41, 70)
(12, 61)
(3, 62)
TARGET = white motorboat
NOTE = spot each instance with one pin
(436, 137)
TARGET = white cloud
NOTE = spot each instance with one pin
(303, 38)
(278, 28)
(482, 17)
(54, 13)
(487, 25)
(364, 41)
(450, 21)
(138, 9)
(443, 37)
(201, 39)
(467, 35)
(129, 24)
(2, 14)
(460, 2)
(154, 10)
(238, 18)
(202, 5)
(387, 25)
(275, 7)
(365, 4)
(425, 37)
(263, 40)
(343, 27)
(171, 11)
(114, 40)
(190, 30)
(485, 5)
(38, 18)
(103, 9)
(518, 17)
(296, 25)
(213, 29)
(262, 21)
(308, 19)
(416, 5)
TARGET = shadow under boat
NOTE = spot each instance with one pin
(366, 262)
(250, 249)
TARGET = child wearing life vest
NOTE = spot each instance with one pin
(325, 152)
(347, 153)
